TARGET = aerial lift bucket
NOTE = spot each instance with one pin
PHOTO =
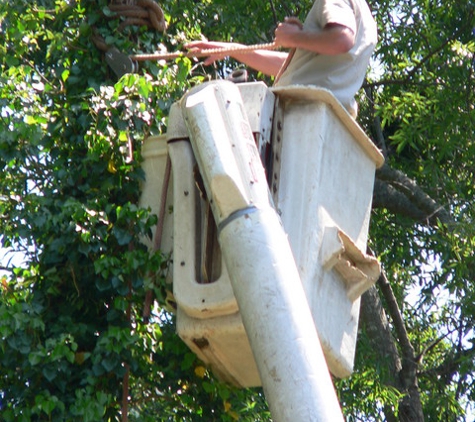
(258, 257)
(320, 168)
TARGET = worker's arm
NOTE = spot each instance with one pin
(265, 61)
(333, 39)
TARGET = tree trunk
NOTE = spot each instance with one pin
(401, 372)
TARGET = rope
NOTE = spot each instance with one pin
(148, 13)
(283, 68)
(139, 12)
(132, 12)
(204, 53)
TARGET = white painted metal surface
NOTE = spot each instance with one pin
(321, 172)
(208, 312)
(278, 321)
(154, 153)
(259, 106)
(222, 344)
(196, 298)
(259, 260)
(324, 175)
(227, 155)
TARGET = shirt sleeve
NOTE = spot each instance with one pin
(339, 12)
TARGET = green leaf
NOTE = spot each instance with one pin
(65, 75)
(110, 364)
(30, 120)
(50, 372)
(102, 284)
(35, 358)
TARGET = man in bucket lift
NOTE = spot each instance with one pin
(331, 49)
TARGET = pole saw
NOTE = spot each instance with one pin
(122, 63)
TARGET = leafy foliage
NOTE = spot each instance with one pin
(72, 337)
(71, 325)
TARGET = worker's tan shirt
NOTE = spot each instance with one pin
(342, 74)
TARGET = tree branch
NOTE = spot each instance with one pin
(400, 194)
(377, 327)
(386, 196)
(274, 13)
(407, 78)
(451, 364)
(411, 406)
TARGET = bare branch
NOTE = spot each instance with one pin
(377, 327)
(411, 405)
(398, 193)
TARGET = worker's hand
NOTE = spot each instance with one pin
(198, 46)
(286, 31)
